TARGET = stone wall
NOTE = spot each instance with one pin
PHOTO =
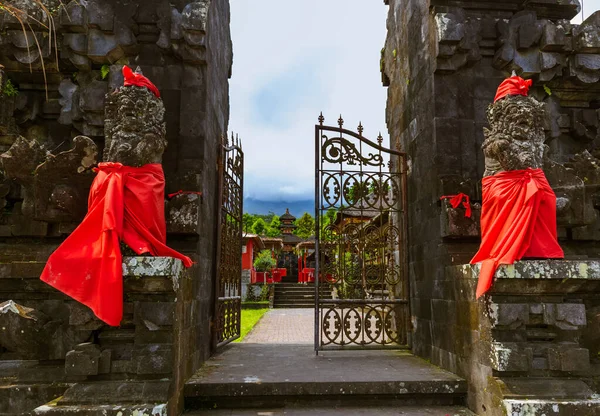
(442, 63)
(185, 49)
(532, 344)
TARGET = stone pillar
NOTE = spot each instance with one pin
(442, 66)
(185, 48)
(528, 345)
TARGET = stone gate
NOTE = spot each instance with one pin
(53, 94)
(535, 336)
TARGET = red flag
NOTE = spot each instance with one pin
(125, 203)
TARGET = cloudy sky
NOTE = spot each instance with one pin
(293, 59)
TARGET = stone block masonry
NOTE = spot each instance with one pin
(532, 337)
(185, 48)
(442, 63)
(91, 364)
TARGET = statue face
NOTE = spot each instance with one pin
(519, 118)
(516, 137)
(134, 127)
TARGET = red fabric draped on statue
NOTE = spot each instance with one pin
(131, 78)
(125, 203)
(518, 219)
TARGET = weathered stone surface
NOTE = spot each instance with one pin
(134, 126)
(541, 269)
(34, 334)
(456, 224)
(182, 214)
(83, 361)
(54, 186)
(151, 266)
(116, 392)
(516, 138)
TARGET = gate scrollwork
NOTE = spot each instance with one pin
(361, 278)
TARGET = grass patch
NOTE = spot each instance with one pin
(250, 317)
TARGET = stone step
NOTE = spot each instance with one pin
(294, 306)
(110, 398)
(295, 376)
(377, 409)
(560, 407)
(553, 396)
(19, 399)
(52, 409)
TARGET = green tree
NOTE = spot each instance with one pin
(264, 262)
(306, 226)
(259, 226)
(273, 229)
(248, 222)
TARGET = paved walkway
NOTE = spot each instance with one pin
(284, 326)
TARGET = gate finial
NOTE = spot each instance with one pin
(321, 118)
(360, 128)
(340, 121)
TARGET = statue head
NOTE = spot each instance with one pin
(515, 139)
(134, 126)
(516, 118)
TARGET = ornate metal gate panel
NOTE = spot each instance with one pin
(361, 268)
(229, 247)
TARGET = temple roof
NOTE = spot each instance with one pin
(287, 215)
(291, 239)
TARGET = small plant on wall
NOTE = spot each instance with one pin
(9, 89)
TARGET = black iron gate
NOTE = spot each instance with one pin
(229, 246)
(361, 267)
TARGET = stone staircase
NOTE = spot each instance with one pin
(294, 295)
(270, 379)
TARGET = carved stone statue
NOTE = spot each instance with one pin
(518, 213)
(516, 137)
(54, 187)
(134, 126)
(125, 206)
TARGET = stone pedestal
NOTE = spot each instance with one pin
(138, 366)
(531, 345)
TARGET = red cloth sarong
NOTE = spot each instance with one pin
(518, 219)
(125, 203)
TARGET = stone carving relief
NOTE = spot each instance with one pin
(185, 34)
(135, 129)
(54, 187)
(458, 38)
(516, 137)
(549, 49)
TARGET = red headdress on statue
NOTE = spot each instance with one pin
(514, 85)
(139, 80)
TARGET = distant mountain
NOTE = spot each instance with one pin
(297, 208)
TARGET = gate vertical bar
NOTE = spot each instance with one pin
(317, 230)
(215, 323)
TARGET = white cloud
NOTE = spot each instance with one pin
(293, 60)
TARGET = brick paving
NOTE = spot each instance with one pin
(284, 326)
